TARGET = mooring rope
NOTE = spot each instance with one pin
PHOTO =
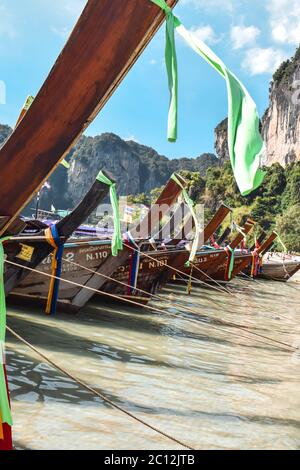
(98, 394)
(155, 296)
(222, 289)
(158, 310)
(222, 322)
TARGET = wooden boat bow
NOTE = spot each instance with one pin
(107, 40)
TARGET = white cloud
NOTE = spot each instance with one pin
(242, 36)
(259, 61)
(285, 20)
(205, 34)
(152, 62)
(6, 23)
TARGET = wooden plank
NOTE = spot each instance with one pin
(267, 244)
(224, 236)
(107, 40)
(150, 224)
(215, 222)
(260, 239)
(239, 238)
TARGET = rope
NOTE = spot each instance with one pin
(234, 294)
(220, 322)
(158, 297)
(98, 394)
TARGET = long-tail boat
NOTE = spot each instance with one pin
(242, 259)
(107, 40)
(89, 264)
(26, 251)
(210, 265)
(278, 268)
(177, 266)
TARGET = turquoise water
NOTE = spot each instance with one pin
(212, 386)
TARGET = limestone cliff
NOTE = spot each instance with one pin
(281, 121)
(137, 168)
(221, 141)
(5, 132)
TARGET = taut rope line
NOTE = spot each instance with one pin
(179, 304)
(291, 348)
(98, 394)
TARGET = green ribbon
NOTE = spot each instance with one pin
(231, 265)
(117, 243)
(246, 146)
(189, 202)
(172, 68)
(281, 243)
(65, 164)
(4, 400)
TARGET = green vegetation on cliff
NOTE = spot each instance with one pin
(275, 205)
(285, 72)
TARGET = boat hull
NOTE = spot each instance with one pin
(279, 272)
(81, 260)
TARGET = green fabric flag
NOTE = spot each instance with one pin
(4, 401)
(246, 146)
(285, 250)
(117, 243)
(190, 205)
(65, 164)
(231, 265)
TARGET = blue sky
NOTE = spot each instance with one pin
(252, 38)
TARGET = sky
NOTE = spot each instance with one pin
(251, 37)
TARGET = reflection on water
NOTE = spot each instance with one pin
(209, 385)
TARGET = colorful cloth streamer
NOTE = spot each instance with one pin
(190, 205)
(230, 263)
(54, 240)
(285, 250)
(257, 261)
(134, 263)
(5, 411)
(117, 244)
(243, 246)
(246, 146)
(5, 428)
(214, 243)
